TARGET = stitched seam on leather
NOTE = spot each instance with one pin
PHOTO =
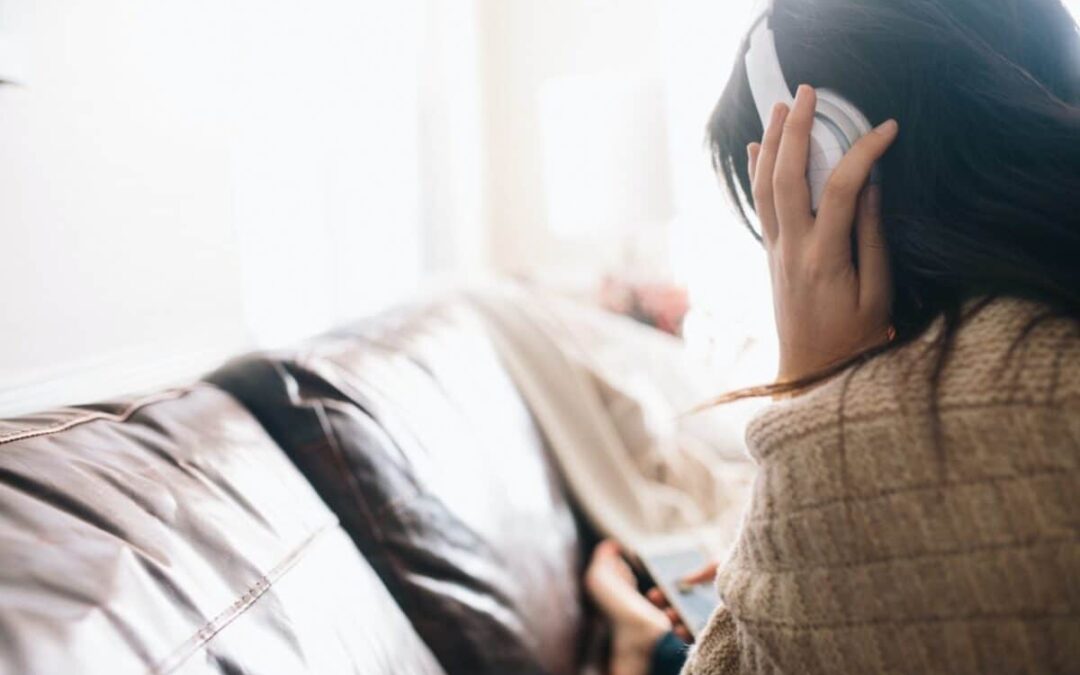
(205, 634)
(123, 416)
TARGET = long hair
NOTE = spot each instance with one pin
(981, 190)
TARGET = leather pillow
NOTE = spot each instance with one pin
(413, 433)
(170, 534)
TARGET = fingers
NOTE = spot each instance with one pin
(672, 615)
(875, 281)
(792, 192)
(763, 176)
(609, 546)
(677, 625)
(656, 597)
(683, 633)
(753, 151)
(702, 576)
(839, 202)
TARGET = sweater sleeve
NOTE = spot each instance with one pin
(716, 651)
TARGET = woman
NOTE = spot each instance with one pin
(918, 501)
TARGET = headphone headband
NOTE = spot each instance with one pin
(767, 82)
(837, 123)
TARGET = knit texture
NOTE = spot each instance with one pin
(870, 546)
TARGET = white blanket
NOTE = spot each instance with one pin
(611, 396)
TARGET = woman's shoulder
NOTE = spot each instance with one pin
(1008, 351)
(873, 507)
(1008, 357)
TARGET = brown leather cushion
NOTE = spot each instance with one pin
(413, 433)
(171, 534)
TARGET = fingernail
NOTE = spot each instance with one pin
(778, 112)
(887, 127)
(803, 91)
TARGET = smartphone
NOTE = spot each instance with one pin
(694, 604)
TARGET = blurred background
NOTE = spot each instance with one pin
(182, 181)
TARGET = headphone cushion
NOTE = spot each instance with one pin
(837, 125)
(851, 122)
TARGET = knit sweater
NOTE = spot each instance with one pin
(871, 545)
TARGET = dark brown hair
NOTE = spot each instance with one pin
(981, 191)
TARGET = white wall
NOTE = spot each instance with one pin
(452, 170)
(183, 180)
(526, 43)
(689, 46)
(712, 253)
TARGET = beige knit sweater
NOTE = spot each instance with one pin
(869, 548)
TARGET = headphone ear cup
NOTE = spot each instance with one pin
(837, 125)
(843, 115)
(827, 148)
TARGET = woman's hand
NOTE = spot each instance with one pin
(702, 576)
(827, 308)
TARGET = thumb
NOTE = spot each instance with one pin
(704, 575)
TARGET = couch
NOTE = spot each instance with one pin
(377, 500)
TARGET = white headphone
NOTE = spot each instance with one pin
(837, 123)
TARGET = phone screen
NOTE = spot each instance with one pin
(695, 604)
